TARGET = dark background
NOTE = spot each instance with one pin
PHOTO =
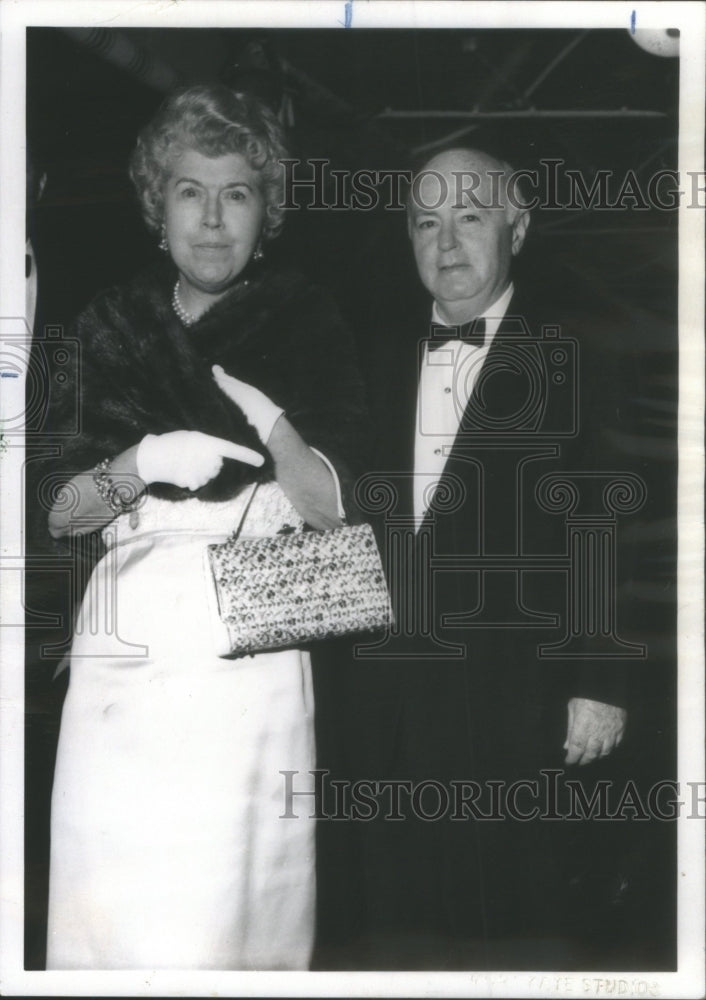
(342, 95)
(84, 112)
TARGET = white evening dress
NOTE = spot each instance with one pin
(167, 846)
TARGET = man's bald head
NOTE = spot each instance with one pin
(470, 174)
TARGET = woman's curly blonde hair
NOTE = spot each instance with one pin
(214, 121)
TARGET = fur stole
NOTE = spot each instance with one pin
(142, 372)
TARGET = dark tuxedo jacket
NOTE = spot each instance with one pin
(414, 708)
(542, 410)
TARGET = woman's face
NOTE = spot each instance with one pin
(213, 214)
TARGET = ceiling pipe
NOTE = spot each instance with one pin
(450, 137)
(119, 50)
(554, 63)
(523, 113)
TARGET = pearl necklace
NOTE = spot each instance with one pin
(186, 317)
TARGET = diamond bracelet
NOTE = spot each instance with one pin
(115, 496)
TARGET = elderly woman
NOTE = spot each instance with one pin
(200, 377)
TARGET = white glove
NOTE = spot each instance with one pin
(261, 412)
(187, 458)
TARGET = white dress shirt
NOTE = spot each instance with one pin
(447, 377)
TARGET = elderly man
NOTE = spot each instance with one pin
(464, 238)
(468, 715)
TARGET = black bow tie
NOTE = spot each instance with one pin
(468, 333)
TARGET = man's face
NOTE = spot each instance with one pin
(463, 250)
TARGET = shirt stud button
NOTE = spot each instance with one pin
(447, 389)
(437, 451)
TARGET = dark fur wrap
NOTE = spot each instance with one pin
(142, 372)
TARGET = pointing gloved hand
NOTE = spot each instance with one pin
(261, 412)
(188, 459)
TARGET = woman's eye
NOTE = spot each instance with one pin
(188, 192)
(236, 195)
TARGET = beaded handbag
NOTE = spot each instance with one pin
(289, 590)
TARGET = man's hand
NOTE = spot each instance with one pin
(594, 730)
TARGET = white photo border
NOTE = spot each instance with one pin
(688, 980)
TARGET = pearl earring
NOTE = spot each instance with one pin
(258, 255)
(163, 245)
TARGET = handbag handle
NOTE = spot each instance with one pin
(236, 533)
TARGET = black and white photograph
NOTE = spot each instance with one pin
(351, 457)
